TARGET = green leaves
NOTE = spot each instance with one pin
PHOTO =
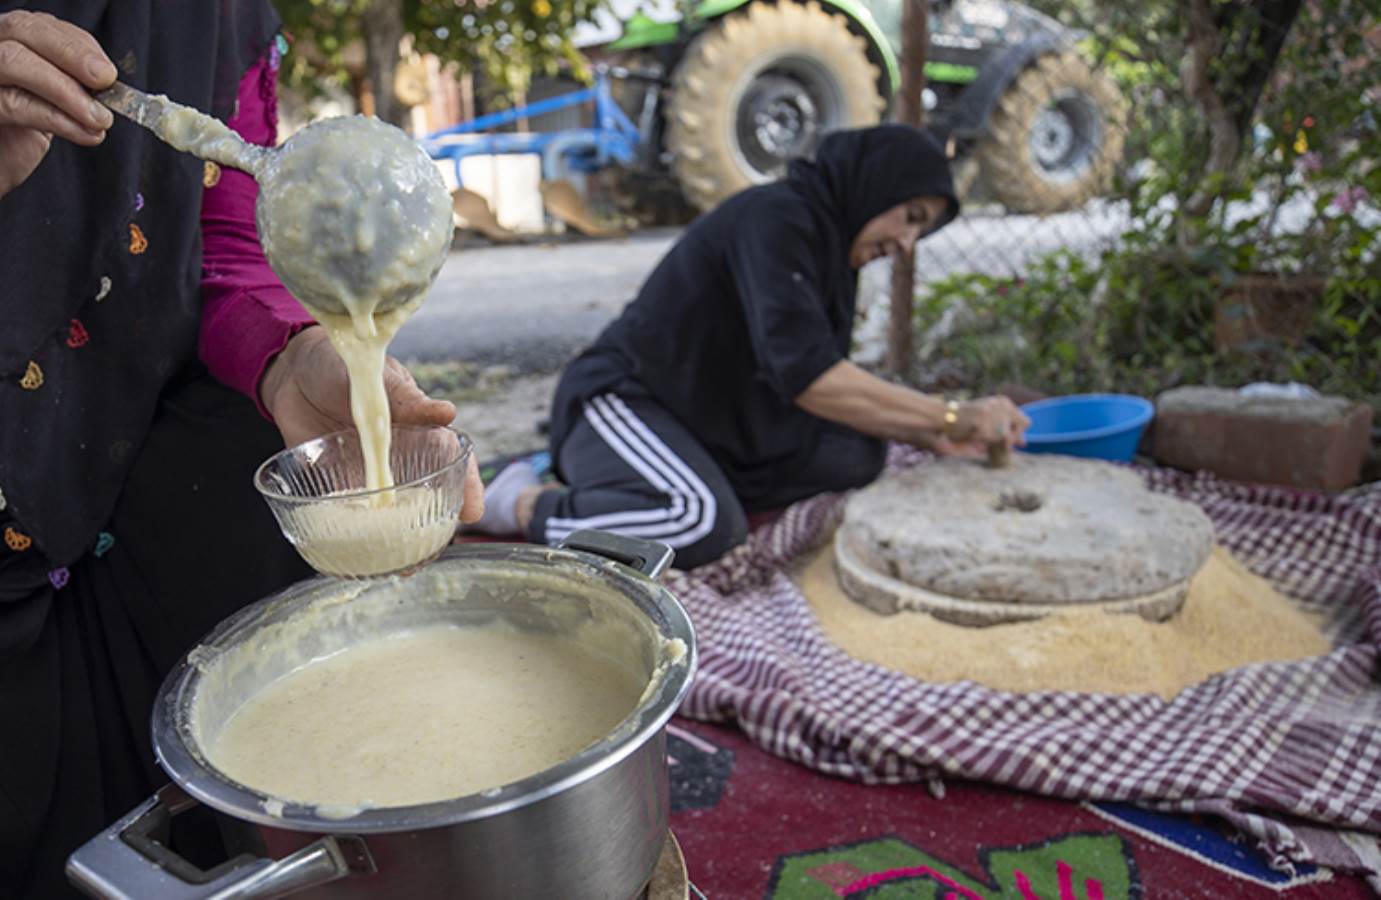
(1141, 321)
(509, 41)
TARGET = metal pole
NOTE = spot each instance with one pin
(915, 41)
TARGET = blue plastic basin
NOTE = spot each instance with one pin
(1101, 426)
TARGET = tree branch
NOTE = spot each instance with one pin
(1203, 42)
(382, 25)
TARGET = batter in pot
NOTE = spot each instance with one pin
(426, 715)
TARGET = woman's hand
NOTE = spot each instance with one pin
(980, 423)
(850, 396)
(47, 69)
(306, 390)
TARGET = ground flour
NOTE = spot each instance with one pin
(1230, 618)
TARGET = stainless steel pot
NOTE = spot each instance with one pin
(591, 827)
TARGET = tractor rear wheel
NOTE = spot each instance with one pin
(1054, 137)
(761, 87)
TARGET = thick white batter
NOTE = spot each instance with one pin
(365, 356)
(206, 138)
(359, 537)
(354, 217)
(356, 220)
(427, 715)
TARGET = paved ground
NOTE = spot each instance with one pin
(530, 307)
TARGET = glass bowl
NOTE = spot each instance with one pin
(317, 493)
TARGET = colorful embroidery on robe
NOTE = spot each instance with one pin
(77, 335)
(105, 288)
(210, 174)
(137, 242)
(17, 540)
(104, 541)
(33, 377)
(59, 577)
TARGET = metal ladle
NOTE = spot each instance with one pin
(353, 216)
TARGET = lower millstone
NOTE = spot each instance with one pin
(981, 546)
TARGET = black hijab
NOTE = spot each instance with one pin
(853, 177)
(857, 175)
(100, 265)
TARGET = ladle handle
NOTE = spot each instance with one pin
(127, 862)
(219, 144)
(133, 104)
(648, 557)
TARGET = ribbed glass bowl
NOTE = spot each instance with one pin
(317, 493)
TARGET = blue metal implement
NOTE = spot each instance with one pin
(614, 137)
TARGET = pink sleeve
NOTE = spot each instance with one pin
(247, 315)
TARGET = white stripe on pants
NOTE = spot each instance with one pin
(690, 513)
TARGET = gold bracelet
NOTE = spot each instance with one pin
(951, 417)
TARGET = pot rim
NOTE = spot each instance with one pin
(198, 777)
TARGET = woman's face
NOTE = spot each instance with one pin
(897, 229)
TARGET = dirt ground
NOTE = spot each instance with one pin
(499, 409)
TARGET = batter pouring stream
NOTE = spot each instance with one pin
(388, 215)
(356, 221)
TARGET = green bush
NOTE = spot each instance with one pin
(1134, 323)
(1140, 317)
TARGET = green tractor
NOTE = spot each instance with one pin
(729, 91)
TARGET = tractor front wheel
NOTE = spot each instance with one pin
(761, 87)
(1054, 138)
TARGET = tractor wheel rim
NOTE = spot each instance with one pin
(1065, 137)
(782, 113)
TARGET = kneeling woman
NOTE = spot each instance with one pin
(725, 387)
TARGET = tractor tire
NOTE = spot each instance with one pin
(760, 88)
(1054, 137)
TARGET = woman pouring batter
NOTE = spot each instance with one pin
(725, 387)
(145, 350)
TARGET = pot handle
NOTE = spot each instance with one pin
(126, 861)
(648, 557)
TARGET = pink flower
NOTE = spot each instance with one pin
(1310, 162)
(1347, 200)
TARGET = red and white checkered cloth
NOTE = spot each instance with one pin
(1288, 752)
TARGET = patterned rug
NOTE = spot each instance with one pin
(753, 825)
(1256, 776)
(1288, 753)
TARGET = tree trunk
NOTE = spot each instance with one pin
(1204, 43)
(1227, 103)
(1260, 44)
(910, 110)
(382, 25)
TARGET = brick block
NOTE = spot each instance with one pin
(1317, 443)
